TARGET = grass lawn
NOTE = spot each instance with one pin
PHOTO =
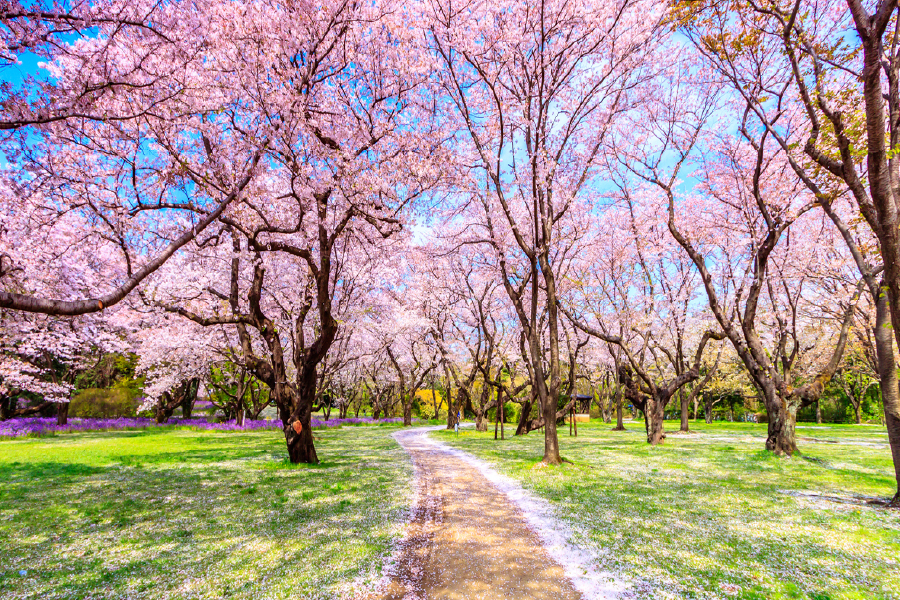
(712, 515)
(196, 514)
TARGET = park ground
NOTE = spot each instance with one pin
(178, 513)
(199, 514)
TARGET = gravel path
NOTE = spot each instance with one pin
(466, 539)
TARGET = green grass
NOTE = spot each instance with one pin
(192, 514)
(713, 515)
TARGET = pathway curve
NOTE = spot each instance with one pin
(466, 538)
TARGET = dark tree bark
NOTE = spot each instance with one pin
(434, 401)
(708, 404)
(890, 385)
(62, 413)
(620, 409)
(172, 399)
(293, 400)
(483, 406)
(502, 408)
(463, 384)
(452, 407)
(187, 407)
(525, 417)
(499, 411)
(8, 408)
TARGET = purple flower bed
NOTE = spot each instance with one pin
(37, 426)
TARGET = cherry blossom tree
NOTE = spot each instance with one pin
(637, 283)
(406, 340)
(118, 151)
(532, 91)
(348, 157)
(821, 78)
(42, 356)
(177, 359)
(764, 256)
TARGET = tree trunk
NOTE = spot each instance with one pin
(856, 412)
(818, 413)
(497, 416)
(165, 407)
(437, 416)
(707, 411)
(782, 434)
(547, 404)
(522, 428)
(451, 406)
(239, 416)
(620, 423)
(481, 421)
(502, 418)
(254, 414)
(187, 406)
(407, 412)
(185, 391)
(452, 410)
(685, 407)
(62, 413)
(451, 417)
(893, 427)
(300, 445)
(551, 439)
(654, 413)
(887, 376)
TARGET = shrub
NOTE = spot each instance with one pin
(426, 411)
(512, 410)
(95, 403)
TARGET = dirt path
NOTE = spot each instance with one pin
(466, 538)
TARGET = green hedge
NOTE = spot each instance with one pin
(96, 403)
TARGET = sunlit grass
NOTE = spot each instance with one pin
(190, 514)
(713, 515)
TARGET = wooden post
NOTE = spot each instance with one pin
(575, 422)
(571, 421)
